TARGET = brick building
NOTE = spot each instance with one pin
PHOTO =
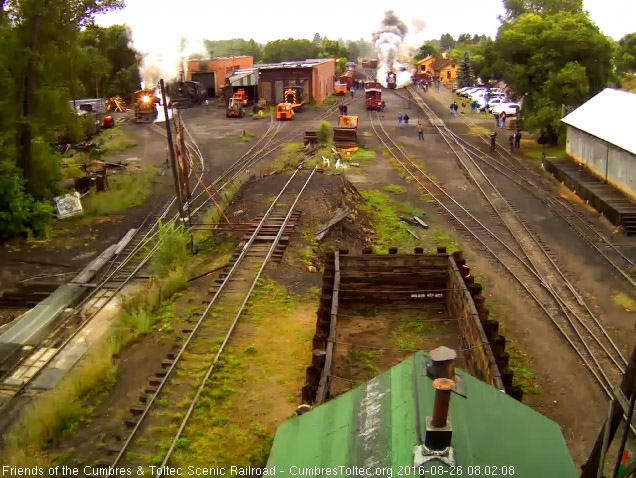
(212, 73)
(316, 76)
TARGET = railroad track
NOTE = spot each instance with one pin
(513, 168)
(129, 264)
(536, 272)
(187, 373)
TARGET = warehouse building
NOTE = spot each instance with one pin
(316, 76)
(213, 72)
(601, 136)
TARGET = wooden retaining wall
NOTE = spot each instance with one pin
(407, 279)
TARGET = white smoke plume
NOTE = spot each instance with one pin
(419, 24)
(388, 44)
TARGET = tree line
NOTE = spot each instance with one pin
(50, 52)
(548, 52)
(289, 49)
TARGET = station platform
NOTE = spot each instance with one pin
(603, 197)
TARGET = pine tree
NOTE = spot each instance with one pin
(465, 74)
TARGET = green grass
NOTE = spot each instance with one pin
(113, 140)
(623, 300)
(173, 251)
(246, 136)
(362, 155)
(288, 158)
(125, 190)
(441, 239)
(556, 151)
(364, 357)
(389, 229)
(394, 189)
(523, 376)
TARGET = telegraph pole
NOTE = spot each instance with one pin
(173, 161)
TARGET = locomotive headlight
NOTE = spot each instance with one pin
(145, 99)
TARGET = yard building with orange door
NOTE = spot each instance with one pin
(213, 72)
(315, 76)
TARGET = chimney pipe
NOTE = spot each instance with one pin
(442, 363)
(443, 388)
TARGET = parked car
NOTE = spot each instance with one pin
(509, 108)
(470, 91)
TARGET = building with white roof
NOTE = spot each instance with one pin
(601, 134)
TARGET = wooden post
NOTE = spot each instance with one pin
(173, 161)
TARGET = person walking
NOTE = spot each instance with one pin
(502, 120)
(406, 119)
(451, 108)
(353, 92)
(518, 139)
(207, 105)
(455, 107)
(420, 131)
(496, 120)
(493, 140)
(345, 108)
(382, 106)
(399, 120)
(463, 107)
(511, 140)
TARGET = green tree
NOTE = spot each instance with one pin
(465, 75)
(234, 47)
(288, 50)
(317, 39)
(516, 8)
(446, 41)
(427, 49)
(332, 49)
(626, 56)
(464, 38)
(549, 60)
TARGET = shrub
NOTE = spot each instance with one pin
(173, 250)
(20, 213)
(324, 132)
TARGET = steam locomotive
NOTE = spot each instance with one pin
(391, 80)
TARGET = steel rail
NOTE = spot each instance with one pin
(208, 373)
(488, 248)
(199, 322)
(445, 132)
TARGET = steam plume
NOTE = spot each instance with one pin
(388, 44)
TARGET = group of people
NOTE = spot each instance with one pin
(514, 139)
(404, 118)
(454, 107)
(343, 109)
(500, 120)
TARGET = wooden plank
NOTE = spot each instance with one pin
(323, 385)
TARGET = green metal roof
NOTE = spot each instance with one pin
(374, 426)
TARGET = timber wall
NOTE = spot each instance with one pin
(407, 279)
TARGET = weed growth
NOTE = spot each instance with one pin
(125, 190)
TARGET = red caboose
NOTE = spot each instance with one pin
(373, 98)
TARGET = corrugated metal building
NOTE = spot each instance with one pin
(602, 136)
(213, 72)
(380, 429)
(316, 76)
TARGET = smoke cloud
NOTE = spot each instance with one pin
(419, 24)
(389, 47)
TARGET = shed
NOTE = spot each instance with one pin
(314, 75)
(600, 135)
(212, 72)
(423, 66)
(246, 79)
(379, 426)
(446, 69)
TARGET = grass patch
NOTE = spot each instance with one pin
(478, 131)
(362, 155)
(125, 190)
(363, 358)
(113, 140)
(246, 136)
(214, 214)
(556, 151)
(523, 376)
(625, 301)
(288, 158)
(441, 239)
(389, 229)
(252, 390)
(410, 331)
(60, 410)
(394, 189)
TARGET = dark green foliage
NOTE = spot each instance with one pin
(516, 8)
(551, 60)
(626, 56)
(290, 49)
(446, 42)
(234, 47)
(46, 58)
(465, 76)
(427, 49)
(20, 213)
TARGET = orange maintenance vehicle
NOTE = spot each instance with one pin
(294, 95)
(284, 111)
(341, 88)
(235, 108)
(240, 94)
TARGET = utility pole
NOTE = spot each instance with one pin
(175, 175)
